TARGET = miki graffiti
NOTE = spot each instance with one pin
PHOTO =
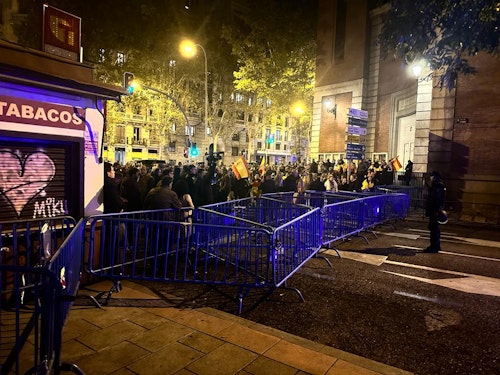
(24, 179)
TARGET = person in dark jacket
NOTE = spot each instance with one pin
(111, 193)
(316, 183)
(408, 172)
(269, 186)
(162, 196)
(433, 207)
(131, 190)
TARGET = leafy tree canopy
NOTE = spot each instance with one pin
(443, 33)
(275, 55)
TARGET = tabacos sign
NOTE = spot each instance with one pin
(40, 113)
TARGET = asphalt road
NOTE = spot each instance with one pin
(386, 300)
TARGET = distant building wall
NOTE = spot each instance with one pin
(456, 132)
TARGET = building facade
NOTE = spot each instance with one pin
(455, 132)
(51, 131)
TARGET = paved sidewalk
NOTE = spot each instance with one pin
(167, 340)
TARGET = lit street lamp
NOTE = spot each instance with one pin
(188, 49)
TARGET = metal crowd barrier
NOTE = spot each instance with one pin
(416, 193)
(346, 214)
(40, 269)
(239, 253)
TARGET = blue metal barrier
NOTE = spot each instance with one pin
(263, 211)
(32, 242)
(342, 220)
(242, 255)
(416, 193)
(39, 277)
(246, 243)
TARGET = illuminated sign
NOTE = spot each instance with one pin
(41, 113)
(61, 33)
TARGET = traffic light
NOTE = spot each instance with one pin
(193, 151)
(270, 138)
(128, 82)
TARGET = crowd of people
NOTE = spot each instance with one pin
(133, 187)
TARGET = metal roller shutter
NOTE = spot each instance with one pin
(39, 178)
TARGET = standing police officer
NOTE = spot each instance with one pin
(433, 208)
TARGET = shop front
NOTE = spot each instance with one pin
(52, 118)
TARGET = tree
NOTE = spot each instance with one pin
(443, 33)
(276, 62)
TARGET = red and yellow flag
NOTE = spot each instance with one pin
(240, 168)
(396, 164)
(262, 168)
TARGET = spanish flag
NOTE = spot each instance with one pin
(396, 164)
(240, 168)
(262, 168)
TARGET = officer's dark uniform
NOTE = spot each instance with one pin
(434, 204)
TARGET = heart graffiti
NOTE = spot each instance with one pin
(23, 178)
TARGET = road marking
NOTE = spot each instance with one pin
(469, 283)
(401, 235)
(450, 253)
(425, 298)
(408, 247)
(453, 236)
(470, 256)
(373, 259)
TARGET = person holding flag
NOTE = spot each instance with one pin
(241, 186)
(262, 167)
(240, 168)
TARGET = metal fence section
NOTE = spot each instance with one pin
(32, 242)
(416, 193)
(263, 211)
(39, 276)
(223, 250)
(342, 220)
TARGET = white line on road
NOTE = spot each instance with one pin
(468, 283)
(450, 253)
(453, 236)
(445, 237)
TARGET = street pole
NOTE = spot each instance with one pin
(206, 87)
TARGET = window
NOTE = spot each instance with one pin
(259, 145)
(235, 137)
(120, 58)
(286, 136)
(171, 146)
(189, 130)
(234, 151)
(120, 132)
(102, 55)
(278, 146)
(278, 135)
(137, 134)
(340, 26)
(174, 128)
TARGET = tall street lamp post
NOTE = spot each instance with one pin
(188, 49)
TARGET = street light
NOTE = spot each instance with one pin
(188, 50)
